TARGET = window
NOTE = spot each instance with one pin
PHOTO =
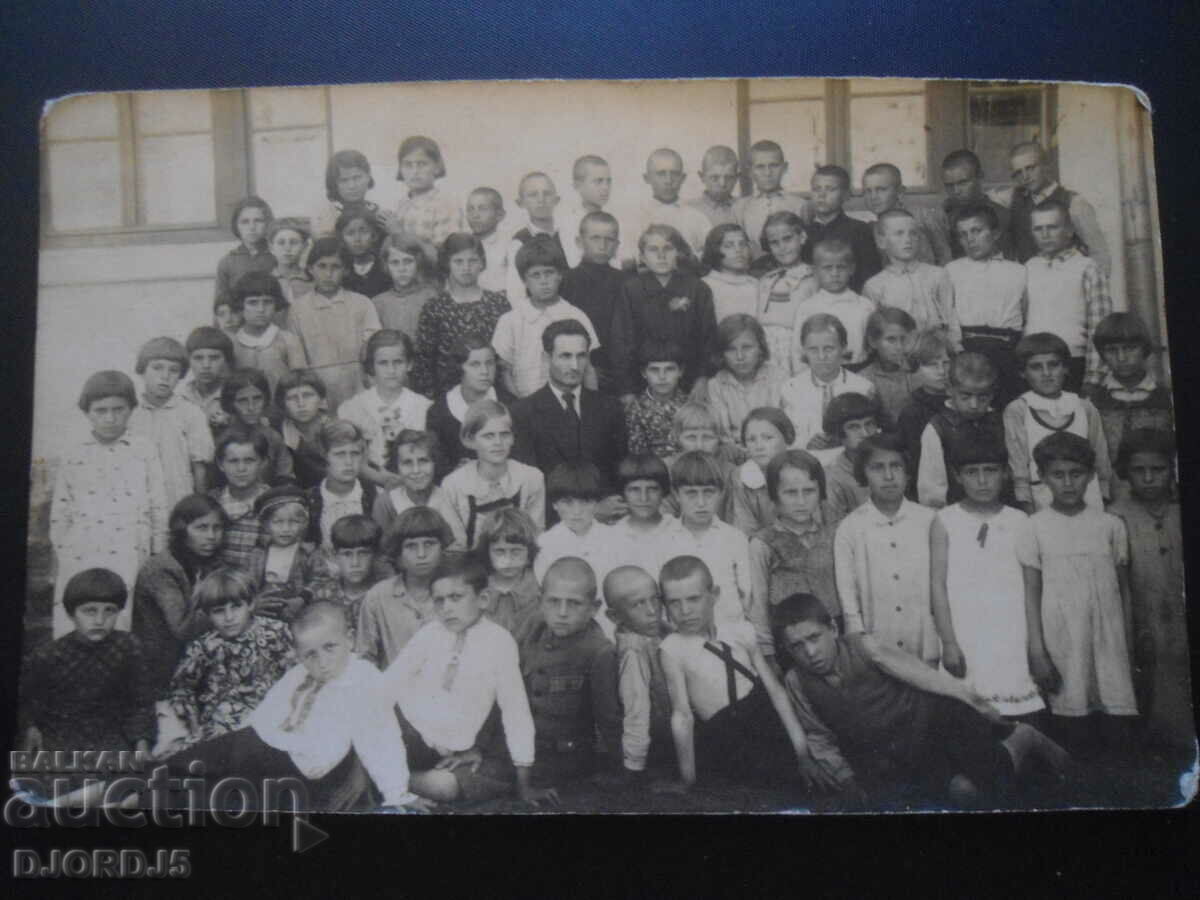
(853, 123)
(857, 122)
(171, 165)
(791, 112)
(1001, 115)
(289, 146)
(887, 124)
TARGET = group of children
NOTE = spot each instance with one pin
(839, 463)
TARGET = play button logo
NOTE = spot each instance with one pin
(305, 835)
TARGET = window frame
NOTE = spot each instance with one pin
(233, 179)
(947, 126)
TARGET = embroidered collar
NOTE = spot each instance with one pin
(1044, 192)
(362, 268)
(735, 278)
(457, 404)
(170, 403)
(765, 195)
(261, 342)
(239, 509)
(1145, 386)
(1064, 404)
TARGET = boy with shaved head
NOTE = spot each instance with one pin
(665, 176)
(633, 602)
(569, 668)
(729, 713)
(719, 175)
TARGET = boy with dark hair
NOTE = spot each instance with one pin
(88, 689)
(574, 490)
(518, 336)
(894, 718)
(830, 191)
(967, 415)
(1068, 293)
(849, 419)
(962, 178)
(210, 357)
(1130, 396)
(594, 287)
(342, 492)
(447, 680)
(344, 576)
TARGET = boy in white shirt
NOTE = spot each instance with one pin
(305, 728)
(575, 489)
(446, 681)
(698, 487)
(592, 180)
(524, 366)
(538, 197)
(805, 397)
(485, 213)
(833, 265)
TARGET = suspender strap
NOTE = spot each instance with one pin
(732, 667)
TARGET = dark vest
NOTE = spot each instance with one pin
(1020, 221)
(952, 428)
(871, 714)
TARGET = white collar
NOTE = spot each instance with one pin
(457, 404)
(261, 342)
(1064, 404)
(559, 392)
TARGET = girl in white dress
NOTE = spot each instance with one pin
(980, 553)
(1085, 608)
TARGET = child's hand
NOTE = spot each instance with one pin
(387, 219)
(627, 400)
(1045, 676)
(953, 660)
(463, 758)
(33, 739)
(537, 796)
(699, 393)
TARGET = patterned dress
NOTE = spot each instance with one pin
(221, 680)
(109, 511)
(648, 421)
(443, 322)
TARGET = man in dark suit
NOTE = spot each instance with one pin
(565, 422)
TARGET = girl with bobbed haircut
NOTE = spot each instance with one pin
(794, 459)
(457, 243)
(345, 159)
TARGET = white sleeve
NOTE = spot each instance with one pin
(932, 480)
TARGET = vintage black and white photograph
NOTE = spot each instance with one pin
(699, 446)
